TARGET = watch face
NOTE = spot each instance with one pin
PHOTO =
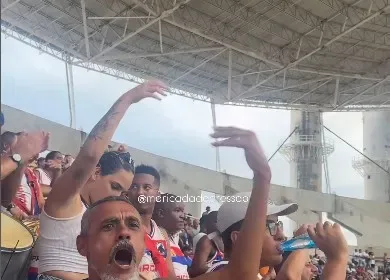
(17, 157)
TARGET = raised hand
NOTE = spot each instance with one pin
(330, 240)
(153, 89)
(301, 230)
(30, 144)
(246, 139)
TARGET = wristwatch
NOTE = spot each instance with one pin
(17, 158)
(10, 206)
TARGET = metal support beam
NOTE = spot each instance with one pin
(352, 76)
(214, 116)
(145, 17)
(289, 87)
(203, 63)
(163, 15)
(309, 92)
(299, 49)
(104, 39)
(344, 24)
(143, 55)
(328, 43)
(83, 10)
(230, 75)
(80, 43)
(372, 97)
(227, 45)
(321, 36)
(336, 92)
(370, 8)
(317, 27)
(363, 92)
(124, 29)
(10, 6)
(199, 33)
(252, 73)
(69, 82)
(160, 36)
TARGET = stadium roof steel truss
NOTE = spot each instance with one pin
(298, 54)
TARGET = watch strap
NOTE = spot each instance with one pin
(10, 206)
(18, 162)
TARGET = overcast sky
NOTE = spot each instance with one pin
(177, 127)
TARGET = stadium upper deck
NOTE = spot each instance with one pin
(299, 54)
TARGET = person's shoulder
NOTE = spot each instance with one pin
(205, 240)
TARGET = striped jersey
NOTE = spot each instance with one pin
(147, 266)
(180, 262)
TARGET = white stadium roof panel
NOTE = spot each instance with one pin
(298, 54)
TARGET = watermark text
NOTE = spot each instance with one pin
(192, 199)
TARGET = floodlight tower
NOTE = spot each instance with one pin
(306, 151)
(376, 146)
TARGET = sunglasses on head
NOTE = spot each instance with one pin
(123, 157)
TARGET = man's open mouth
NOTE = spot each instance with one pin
(123, 257)
(123, 254)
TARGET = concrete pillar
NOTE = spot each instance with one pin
(306, 145)
(376, 145)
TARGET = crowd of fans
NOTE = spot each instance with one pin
(88, 221)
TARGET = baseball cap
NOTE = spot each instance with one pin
(234, 209)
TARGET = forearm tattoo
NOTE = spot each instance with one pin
(106, 122)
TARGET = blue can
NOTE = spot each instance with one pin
(300, 242)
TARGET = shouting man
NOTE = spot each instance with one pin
(112, 235)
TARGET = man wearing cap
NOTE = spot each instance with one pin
(229, 222)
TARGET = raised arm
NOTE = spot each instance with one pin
(331, 241)
(27, 146)
(293, 267)
(11, 185)
(7, 167)
(245, 259)
(294, 264)
(64, 199)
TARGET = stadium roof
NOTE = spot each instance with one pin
(299, 54)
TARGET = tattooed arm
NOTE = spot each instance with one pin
(64, 199)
